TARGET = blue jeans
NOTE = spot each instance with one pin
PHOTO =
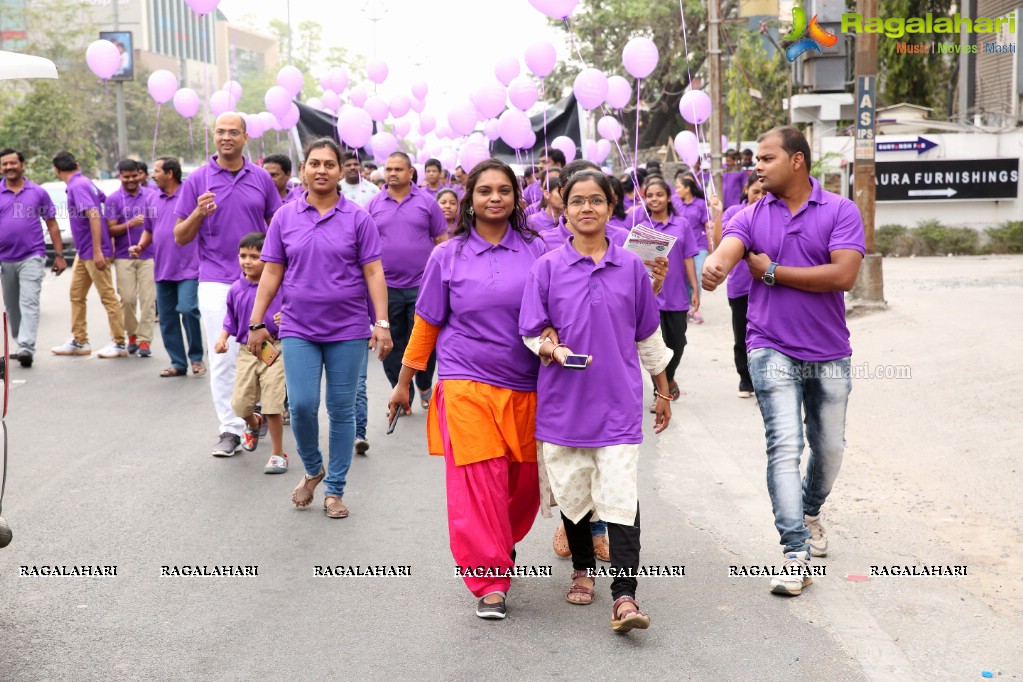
(304, 365)
(792, 393)
(178, 305)
(598, 528)
(361, 401)
(698, 262)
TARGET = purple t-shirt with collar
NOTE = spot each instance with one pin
(21, 234)
(472, 290)
(739, 279)
(533, 194)
(245, 201)
(541, 222)
(674, 296)
(694, 214)
(171, 263)
(433, 192)
(804, 325)
(407, 230)
(602, 310)
(325, 294)
(241, 299)
(83, 195)
(294, 193)
(122, 207)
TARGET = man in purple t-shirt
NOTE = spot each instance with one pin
(218, 204)
(22, 250)
(804, 247)
(95, 250)
(434, 177)
(411, 223)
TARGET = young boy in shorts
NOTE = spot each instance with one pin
(254, 381)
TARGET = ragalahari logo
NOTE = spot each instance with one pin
(815, 38)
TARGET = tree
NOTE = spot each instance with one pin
(751, 68)
(902, 77)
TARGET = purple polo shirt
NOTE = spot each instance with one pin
(739, 279)
(407, 230)
(732, 184)
(241, 299)
(556, 236)
(122, 207)
(294, 193)
(602, 310)
(541, 222)
(629, 202)
(432, 192)
(325, 294)
(171, 263)
(244, 203)
(533, 194)
(674, 296)
(695, 215)
(82, 195)
(804, 325)
(21, 236)
(472, 290)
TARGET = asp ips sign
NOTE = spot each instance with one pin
(978, 179)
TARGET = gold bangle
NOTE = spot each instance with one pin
(662, 396)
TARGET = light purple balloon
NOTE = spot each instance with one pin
(269, 121)
(590, 88)
(377, 108)
(463, 118)
(315, 103)
(162, 85)
(358, 96)
(384, 144)
(222, 102)
(541, 58)
(443, 131)
(609, 128)
(253, 125)
(522, 92)
(589, 149)
(277, 101)
(331, 102)
(325, 82)
(566, 145)
(402, 127)
(355, 126)
(530, 141)
(515, 128)
(555, 9)
(399, 106)
(201, 7)
(422, 156)
(419, 89)
(427, 123)
(472, 155)
(687, 146)
(337, 79)
(492, 129)
(695, 106)
(640, 57)
(186, 102)
(507, 69)
(619, 92)
(290, 119)
(376, 69)
(103, 58)
(233, 87)
(603, 149)
(291, 79)
(418, 105)
(489, 100)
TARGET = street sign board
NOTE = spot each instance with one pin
(978, 179)
(865, 118)
(919, 145)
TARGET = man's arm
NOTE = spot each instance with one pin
(96, 228)
(720, 263)
(186, 229)
(59, 263)
(838, 275)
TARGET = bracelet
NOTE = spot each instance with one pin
(560, 345)
(662, 396)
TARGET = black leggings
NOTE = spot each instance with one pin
(673, 331)
(740, 307)
(624, 548)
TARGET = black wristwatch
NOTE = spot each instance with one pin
(254, 327)
(58, 255)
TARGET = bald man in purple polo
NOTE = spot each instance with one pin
(219, 203)
(411, 223)
(804, 247)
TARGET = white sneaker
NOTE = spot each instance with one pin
(818, 539)
(72, 347)
(113, 350)
(795, 575)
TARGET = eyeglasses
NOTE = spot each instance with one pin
(595, 202)
(227, 133)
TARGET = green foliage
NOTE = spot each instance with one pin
(751, 68)
(903, 77)
(1006, 238)
(886, 239)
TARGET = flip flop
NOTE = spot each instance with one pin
(173, 372)
(198, 369)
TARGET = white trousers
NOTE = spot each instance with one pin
(213, 308)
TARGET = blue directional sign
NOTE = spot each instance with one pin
(920, 145)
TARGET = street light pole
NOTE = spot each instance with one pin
(122, 125)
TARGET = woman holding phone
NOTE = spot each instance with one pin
(598, 298)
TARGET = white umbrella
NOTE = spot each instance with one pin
(16, 65)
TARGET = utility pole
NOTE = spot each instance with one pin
(122, 125)
(714, 55)
(869, 289)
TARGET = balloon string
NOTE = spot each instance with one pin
(206, 98)
(689, 73)
(191, 140)
(543, 97)
(156, 131)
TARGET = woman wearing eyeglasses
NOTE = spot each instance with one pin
(598, 298)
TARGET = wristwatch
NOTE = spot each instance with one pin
(383, 324)
(255, 327)
(769, 279)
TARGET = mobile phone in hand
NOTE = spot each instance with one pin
(394, 419)
(576, 361)
(268, 353)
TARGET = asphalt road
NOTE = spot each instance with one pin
(110, 465)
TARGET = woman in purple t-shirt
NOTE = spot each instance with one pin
(694, 213)
(448, 202)
(598, 297)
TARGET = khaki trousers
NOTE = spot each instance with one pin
(137, 289)
(84, 274)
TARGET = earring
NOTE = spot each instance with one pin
(472, 211)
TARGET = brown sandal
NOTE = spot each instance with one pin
(303, 493)
(334, 507)
(561, 542)
(584, 593)
(637, 620)
(198, 369)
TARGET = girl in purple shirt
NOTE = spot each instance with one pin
(598, 297)
(448, 202)
(694, 213)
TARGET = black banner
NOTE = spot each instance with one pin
(948, 180)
